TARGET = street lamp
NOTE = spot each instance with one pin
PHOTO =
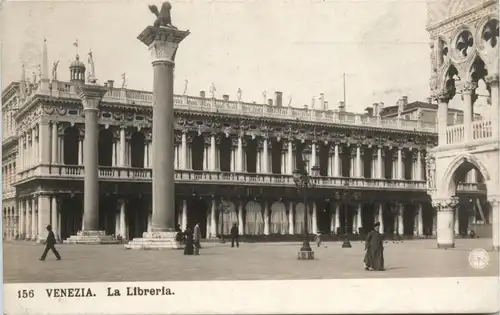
(345, 196)
(304, 181)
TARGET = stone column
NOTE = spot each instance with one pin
(91, 96)
(80, 150)
(443, 97)
(213, 219)
(456, 223)
(445, 208)
(380, 214)
(163, 43)
(44, 142)
(213, 151)
(358, 161)
(53, 217)
(492, 80)
(289, 168)
(241, 228)
(34, 146)
(265, 155)
(146, 153)
(495, 222)
(123, 145)
(34, 204)
(420, 220)
(239, 155)
(291, 221)
(395, 164)
(401, 225)
(401, 169)
(467, 92)
(43, 217)
(337, 218)
(353, 166)
(380, 173)
(336, 161)
(314, 147)
(266, 218)
(27, 207)
(314, 218)
(419, 168)
(123, 220)
(184, 150)
(359, 218)
(22, 218)
(184, 215)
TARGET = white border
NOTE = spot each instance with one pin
(424, 295)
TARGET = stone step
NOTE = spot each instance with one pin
(155, 240)
(91, 238)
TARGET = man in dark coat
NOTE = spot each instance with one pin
(374, 256)
(189, 244)
(234, 235)
(50, 244)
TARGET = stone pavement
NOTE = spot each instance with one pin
(252, 261)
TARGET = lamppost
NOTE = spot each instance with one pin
(304, 181)
(345, 196)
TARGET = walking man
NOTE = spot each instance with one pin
(234, 235)
(197, 238)
(374, 256)
(50, 244)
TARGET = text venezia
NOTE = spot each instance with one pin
(129, 291)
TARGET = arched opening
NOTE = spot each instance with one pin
(225, 154)
(324, 214)
(388, 164)
(107, 214)
(368, 217)
(137, 149)
(251, 155)
(299, 147)
(137, 216)
(279, 219)
(367, 162)
(276, 149)
(197, 213)
(226, 218)
(345, 160)
(105, 148)
(299, 224)
(197, 153)
(409, 219)
(254, 221)
(71, 216)
(70, 146)
(324, 154)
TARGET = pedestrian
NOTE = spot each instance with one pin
(318, 238)
(188, 248)
(179, 236)
(374, 247)
(197, 238)
(50, 244)
(234, 235)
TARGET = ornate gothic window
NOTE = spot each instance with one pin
(490, 33)
(464, 43)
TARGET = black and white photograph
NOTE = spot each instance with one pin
(153, 147)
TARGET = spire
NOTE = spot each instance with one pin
(45, 61)
(22, 84)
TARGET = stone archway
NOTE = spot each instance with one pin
(254, 221)
(445, 198)
(279, 219)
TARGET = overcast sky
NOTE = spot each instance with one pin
(298, 47)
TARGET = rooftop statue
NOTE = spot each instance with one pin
(163, 17)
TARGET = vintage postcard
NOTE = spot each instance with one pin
(232, 157)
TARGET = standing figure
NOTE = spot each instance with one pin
(234, 235)
(50, 244)
(54, 70)
(124, 80)
(374, 247)
(188, 248)
(197, 238)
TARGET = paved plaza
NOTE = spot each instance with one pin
(255, 261)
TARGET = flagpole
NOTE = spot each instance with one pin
(343, 80)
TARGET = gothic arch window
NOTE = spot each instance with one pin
(464, 43)
(490, 33)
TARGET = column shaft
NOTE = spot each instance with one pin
(34, 202)
(213, 220)
(91, 184)
(163, 137)
(44, 143)
(291, 221)
(184, 215)
(123, 221)
(314, 218)
(289, 168)
(336, 162)
(123, 144)
(265, 163)
(53, 218)
(241, 228)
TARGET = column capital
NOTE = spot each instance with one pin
(442, 96)
(162, 42)
(494, 200)
(91, 96)
(469, 87)
(445, 204)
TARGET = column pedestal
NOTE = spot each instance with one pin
(91, 238)
(163, 43)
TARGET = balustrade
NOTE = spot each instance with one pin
(142, 98)
(482, 129)
(455, 134)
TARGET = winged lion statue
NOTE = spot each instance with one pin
(163, 17)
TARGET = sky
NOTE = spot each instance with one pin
(298, 47)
